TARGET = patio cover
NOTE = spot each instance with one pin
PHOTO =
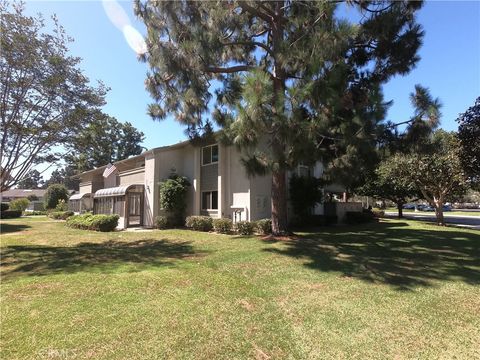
(79, 196)
(115, 191)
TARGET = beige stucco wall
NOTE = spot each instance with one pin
(261, 197)
(150, 203)
(237, 185)
(135, 176)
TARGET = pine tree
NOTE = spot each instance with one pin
(289, 81)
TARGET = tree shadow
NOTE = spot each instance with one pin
(394, 254)
(11, 228)
(32, 260)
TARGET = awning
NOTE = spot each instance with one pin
(115, 191)
(79, 196)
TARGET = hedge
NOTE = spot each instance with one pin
(161, 222)
(11, 214)
(199, 223)
(245, 227)
(4, 206)
(264, 226)
(93, 222)
(60, 215)
(222, 225)
(355, 217)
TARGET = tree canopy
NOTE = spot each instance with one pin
(45, 97)
(287, 80)
(32, 180)
(438, 173)
(469, 136)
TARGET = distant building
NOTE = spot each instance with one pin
(13, 194)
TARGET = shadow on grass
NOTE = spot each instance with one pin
(394, 254)
(102, 257)
(11, 228)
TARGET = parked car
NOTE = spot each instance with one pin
(409, 206)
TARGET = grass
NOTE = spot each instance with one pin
(396, 289)
(447, 213)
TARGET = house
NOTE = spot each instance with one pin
(220, 185)
(34, 195)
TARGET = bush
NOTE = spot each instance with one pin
(378, 213)
(10, 214)
(264, 226)
(245, 227)
(61, 206)
(4, 206)
(161, 222)
(19, 204)
(355, 217)
(54, 194)
(199, 223)
(222, 225)
(331, 219)
(99, 222)
(60, 215)
(173, 197)
(36, 212)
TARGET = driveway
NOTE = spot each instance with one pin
(471, 222)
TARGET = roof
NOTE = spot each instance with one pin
(79, 196)
(142, 155)
(23, 193)
(115, 191)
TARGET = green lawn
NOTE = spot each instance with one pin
(396, 289)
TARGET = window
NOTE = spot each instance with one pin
(210, 154)
(210, 200)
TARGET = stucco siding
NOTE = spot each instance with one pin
(261, 192)
(135, 176)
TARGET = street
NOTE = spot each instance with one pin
(471, 222)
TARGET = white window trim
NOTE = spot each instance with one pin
(210, 163)
(201, 200)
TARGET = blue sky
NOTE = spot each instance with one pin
(450, 64)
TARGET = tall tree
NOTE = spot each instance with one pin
(289, 80)
(33, 180)
(64, 176)
(44, 97)
(105, 140)
(469, 135)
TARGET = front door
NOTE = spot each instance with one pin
(135, 206)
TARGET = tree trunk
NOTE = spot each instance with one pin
(400, 209)
(438, 205)
(279, 203)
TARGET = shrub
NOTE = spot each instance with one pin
(99, 222)
(264, 226)
(10, 214)
(305, 192)
(378, 213)
(54, 194)
(60, 215)
(173, 197)
(36, 212)
(331, 219)
(61, 206)
(4, 206)
(355, 217)
(161, 222)
(19, 204)
(245, 227)
(32, 197)
(222, 225)
(199, 223)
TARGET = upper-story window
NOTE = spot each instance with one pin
(210, 154)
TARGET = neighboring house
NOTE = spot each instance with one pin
(14, 194)
(219, 185)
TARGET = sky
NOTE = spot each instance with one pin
(449, 65)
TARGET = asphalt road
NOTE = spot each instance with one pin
(472, 222)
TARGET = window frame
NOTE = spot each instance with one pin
(210, 147)
(210, 200)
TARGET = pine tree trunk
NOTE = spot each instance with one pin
(279, 203)
(400, 209)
